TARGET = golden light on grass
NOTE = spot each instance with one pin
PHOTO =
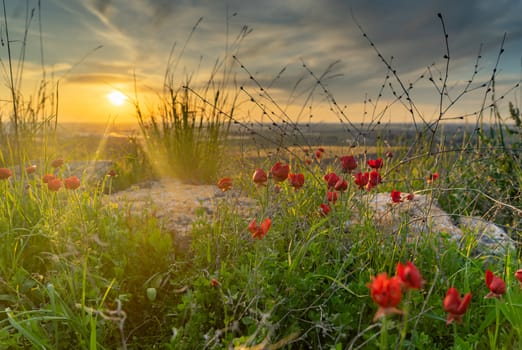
(116, 97)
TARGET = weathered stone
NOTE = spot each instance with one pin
(422, 216)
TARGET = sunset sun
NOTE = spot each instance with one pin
(116, 98)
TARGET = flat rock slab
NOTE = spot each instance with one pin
(176, 204)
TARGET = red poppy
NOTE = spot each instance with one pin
(361, 179)
(348, 163)
(296, 180)
(259, 231)
(410, 275)
(374, 179)
(386, 293)
(30, 169)
(72, 183)
(375, 163)
(495, 284)
(224, 184)
(410, 196)
(280, 172)
(5, 173)
(47, 177)
(432, 177)
(54, 184)
(57, 163)
(454, 306)
(319, 153)
(518, 276)
(341, 185)
(396, 196)
(324, 209)
(260, 178)
(331, 179)
(332, 196)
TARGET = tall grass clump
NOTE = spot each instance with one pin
(187, 134)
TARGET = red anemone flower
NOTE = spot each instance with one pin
(518, 276)
(319, 153)
(280, 172)
(5, 173)
(386, 293)
(296, 180)
(259, 231)
(30, 169)
(495, 284)
(361, 179)
(410, 275)
(396, 196)
(57, 163)
(260, 178)
(410, 196)
(374, 179)
(331, 179)
(72, 182)
(324, 209)
(341, 185)
(47, 177)
(375, 163)
(454, 306)
(214, 283)
(224, 184)
(348, 163)
(54, 184)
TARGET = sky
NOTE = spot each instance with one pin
(295, 60)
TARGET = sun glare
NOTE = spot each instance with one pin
(116, 98)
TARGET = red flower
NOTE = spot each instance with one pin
(259, 231)
(495, 284)
(375, 163)
(410, 196)
(54, 184)
(396, 196)
(112, 173)
(409, 275)
(386, 293)
(5, 173)
(260, 178)
(57, 163)
(319, 153)
(332, 196)
(47, 177)
(224, 184)
(331, 179)
(341, 185)
(214, 283)
(280, 172)
(374, 179)
(518, 276)
(324, 210)
(454, 306)
(296, 180)
(361, 179)
(432, 177)
(72, 183)
(30, 169)
(348, 163)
